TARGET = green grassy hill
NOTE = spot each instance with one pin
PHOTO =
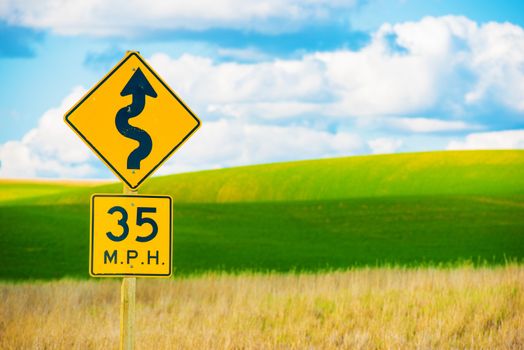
(408, 209)
(415, 174)
(409, 174)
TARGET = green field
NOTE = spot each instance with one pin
(408, 209)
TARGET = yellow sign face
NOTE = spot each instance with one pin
(132, 120)
(131, 235)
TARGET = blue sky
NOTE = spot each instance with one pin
(284, 79)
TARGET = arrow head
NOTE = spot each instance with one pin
(138, 84)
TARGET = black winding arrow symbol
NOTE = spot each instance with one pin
(138, 87)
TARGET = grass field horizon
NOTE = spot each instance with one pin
(401, 209)
(403, 174)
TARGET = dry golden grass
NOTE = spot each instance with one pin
(387, 308)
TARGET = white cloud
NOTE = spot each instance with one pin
(226, 143)
(508, 139)
(279, 110)
(497, 59)
(226, 83)
(53, 150)
(384, 145)
(49, 150)
(443, 64)
(128, 17)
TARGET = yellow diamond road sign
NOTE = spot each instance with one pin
(131, 235)
(132, 120)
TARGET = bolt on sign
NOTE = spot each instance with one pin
(132, 120)
(131, 235)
